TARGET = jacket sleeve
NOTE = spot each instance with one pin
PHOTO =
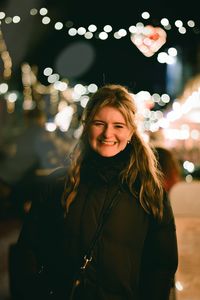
(160, 257)
(28, 277)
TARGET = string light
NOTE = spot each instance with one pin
(57, 86)
(58, 25)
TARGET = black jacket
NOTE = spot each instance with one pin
(135, 257)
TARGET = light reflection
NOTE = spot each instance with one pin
(162, 57)
(145, 15)
(172, 51)
(72, 31)
(53, 78)
(179, 285)
(48, 71)
(58, 25)
(46, 20)
(164, 22)
(92, 88)
(33, 12)
(168, 27)
(189, 166)
(3, 88)
(133, 29)
(107, 28)
(156, 97)
(8, 20)
(16, 19)
(88, 35)
(140, 26)
(188, 179)
(122, 32)
(63, 118)
(77, 132)
(191, 23)
(182, 30)
(80, 89)
(178, 23)
(60, 85)
(2, 15)
(11, 97)
(83, 101)
(43, 11)
(92, 28)
(50, 126)
(103, 35)
(171, 60)
(81, 31)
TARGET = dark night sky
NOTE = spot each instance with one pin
(114, 60)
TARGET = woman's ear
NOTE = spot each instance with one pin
(131, 136)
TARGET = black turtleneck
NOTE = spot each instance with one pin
(105, 167)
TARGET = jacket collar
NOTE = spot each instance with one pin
(97, 167)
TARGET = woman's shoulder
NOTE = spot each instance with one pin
(54, 181)
(50, 188)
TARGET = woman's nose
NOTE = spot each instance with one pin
(108, 132)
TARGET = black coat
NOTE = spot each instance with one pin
(135, 257)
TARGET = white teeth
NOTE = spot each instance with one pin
(108, 143)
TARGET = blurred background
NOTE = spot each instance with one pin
(53, 57)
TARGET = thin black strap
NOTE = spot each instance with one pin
(106, 214)
(88, 256)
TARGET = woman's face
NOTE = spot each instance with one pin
(108, 132)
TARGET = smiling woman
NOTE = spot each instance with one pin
(102, 229)
(109, 133)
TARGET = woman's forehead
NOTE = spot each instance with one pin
(108, 109)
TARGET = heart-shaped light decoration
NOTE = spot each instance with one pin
(149, 39)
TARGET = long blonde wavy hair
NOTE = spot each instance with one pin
(142, 164)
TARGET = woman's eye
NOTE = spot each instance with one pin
(119, 126)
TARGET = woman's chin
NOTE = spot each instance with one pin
(107, 152)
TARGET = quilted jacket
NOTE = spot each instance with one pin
(135, 257)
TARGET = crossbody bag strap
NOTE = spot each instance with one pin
(89, 254)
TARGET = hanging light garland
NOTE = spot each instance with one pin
(92, 30)
(152, 38)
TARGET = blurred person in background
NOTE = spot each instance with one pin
(106, 214)
(170, 167)
(31, 150)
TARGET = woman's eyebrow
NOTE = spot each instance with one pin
(120, 123)
(99, 120)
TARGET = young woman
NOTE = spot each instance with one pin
(112, 180)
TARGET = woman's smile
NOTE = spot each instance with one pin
(108, 143)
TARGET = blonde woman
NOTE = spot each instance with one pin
(105, 217)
